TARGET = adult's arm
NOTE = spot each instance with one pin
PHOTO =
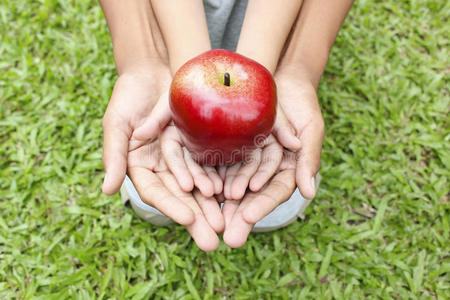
(138, 48)
(134, 32)
(313, 36)
(298, 75)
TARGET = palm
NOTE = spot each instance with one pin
(299, 102)
(133, 99)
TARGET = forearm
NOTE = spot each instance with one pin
(184, 28)
(265, 29)
(313, 36)
(134, 32)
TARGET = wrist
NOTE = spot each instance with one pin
(151, 76)
(298, 72)
(143, 66)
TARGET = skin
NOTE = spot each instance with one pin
(144, 76)
(297, 74)
(174, 16)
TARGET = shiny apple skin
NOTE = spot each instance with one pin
(220, 123)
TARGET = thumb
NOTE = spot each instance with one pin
(115, 150)
(284, 132)
(308, 160)
(155, 123)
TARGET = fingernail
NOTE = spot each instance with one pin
(313, 183)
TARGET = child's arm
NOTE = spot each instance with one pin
(263, 34)
(183, 25)
(184, 28)
(313, 36)
(265, 29)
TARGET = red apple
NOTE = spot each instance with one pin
(224, 104)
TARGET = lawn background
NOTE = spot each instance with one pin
(378, 228)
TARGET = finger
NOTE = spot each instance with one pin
(215, 178)
(308, 159)
(229, 177)
(154, 192)
(245, 172)
(228, 210)
(236, 228)
(203, 234)
(260, 204)
(116, 136)
(271, 157)
(156, 122)
(211, 210)
(284, 132)
(201, 179)
(174, 157)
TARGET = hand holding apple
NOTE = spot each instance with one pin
(222, 103)
(297, 96)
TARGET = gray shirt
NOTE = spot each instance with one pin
(224, 18)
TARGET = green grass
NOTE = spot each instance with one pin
(378, 229)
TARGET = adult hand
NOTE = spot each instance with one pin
(158, 187)
(132, 100)
(298, 99)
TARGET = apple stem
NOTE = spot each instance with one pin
(226, 78)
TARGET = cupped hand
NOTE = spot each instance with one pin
(298, 98)
(254, 171)
(241, 215)
(188, 173)
(133, 98)
(158, 187)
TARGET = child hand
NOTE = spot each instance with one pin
(262, 163)
(240, 216)
(187, 172)
(254, 171)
